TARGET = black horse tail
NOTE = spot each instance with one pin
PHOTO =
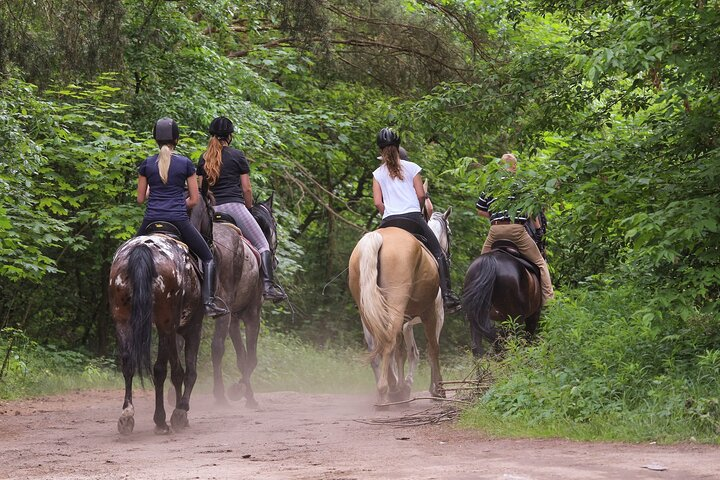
(477, 294)
(142, 273)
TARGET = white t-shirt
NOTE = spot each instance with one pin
(398, 195)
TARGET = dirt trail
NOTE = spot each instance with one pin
(302, 436)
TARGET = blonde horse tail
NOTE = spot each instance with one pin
(374, 309)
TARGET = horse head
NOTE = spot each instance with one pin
(440, 226)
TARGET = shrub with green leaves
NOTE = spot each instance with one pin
(604, 367)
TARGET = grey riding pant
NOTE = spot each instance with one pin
(247, 223)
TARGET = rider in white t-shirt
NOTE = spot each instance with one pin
(398, 193)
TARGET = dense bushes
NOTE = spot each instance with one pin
(606, 367)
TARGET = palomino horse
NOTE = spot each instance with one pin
(395, 283)
(152, 280)
(240, 287)
(499, 286)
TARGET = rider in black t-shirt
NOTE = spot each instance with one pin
(226, 173)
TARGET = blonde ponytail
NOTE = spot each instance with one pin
(164, 161)
(213, 160)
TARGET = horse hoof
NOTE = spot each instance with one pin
(162, 429)
(179, 419)
(237, 391)
(396, 396)
(221, 401)
(126, 424)
(252, 403)
(439, 392)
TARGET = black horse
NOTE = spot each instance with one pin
(500, 285)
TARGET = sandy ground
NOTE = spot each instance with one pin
(303, 436)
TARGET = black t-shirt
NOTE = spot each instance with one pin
(227, 188)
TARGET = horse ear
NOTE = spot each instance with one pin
(425, 185)
(447, 212)
(270, 200)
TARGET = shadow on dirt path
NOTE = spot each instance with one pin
(303, 436)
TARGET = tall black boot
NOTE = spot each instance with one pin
(208, 291)
(450, 302)
(270, 291)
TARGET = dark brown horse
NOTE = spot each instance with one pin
(152, 280)
(500, 286)
(240, 290)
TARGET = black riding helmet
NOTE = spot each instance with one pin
(221, 127)
(166, 130)
(387, 137)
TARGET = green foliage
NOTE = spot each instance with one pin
(611, 109)
(30, 369)
(606, 368)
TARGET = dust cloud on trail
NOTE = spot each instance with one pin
(301, 436)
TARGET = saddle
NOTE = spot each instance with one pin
(509, 248)
(222, 217)
(408, 226)
(171, 231)
(164, 228)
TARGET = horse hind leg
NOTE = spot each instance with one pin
(159, 375)
(218, 350)
(126, 422)
(412, 353)
(433, 322)
(248, 361)
(238, 389)
(374, 363)
(179, 419)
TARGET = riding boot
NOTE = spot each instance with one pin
(208, 291)
(270, 291)
(450, 302)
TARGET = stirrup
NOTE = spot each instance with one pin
(273, 294)
(451, 303)
(213, 310)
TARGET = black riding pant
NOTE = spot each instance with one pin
(189, 235)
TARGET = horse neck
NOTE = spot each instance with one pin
(438, 228)
(200, 218)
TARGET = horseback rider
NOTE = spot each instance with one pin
(228, 177)
(398, 193)
(505, 228)
(161, 181)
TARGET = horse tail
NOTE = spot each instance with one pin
(374, 309)
(478, 292)
(142, 273)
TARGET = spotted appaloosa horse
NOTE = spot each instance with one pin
(240, 290)
(152, 280)
(395, 283)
